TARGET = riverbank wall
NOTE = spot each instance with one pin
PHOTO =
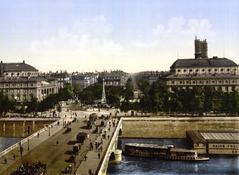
(22, 127)
(175, 127)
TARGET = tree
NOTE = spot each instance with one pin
(77, 89)
(32, 106)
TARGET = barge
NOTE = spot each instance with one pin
(167, 152)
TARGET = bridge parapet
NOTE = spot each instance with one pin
(27, 139)
(112, 149)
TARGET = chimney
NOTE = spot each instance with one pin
(1, 69)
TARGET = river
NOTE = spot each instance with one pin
(5, 142)
(217, 165)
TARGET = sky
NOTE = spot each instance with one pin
(131, 35)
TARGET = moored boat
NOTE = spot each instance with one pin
(167, 152)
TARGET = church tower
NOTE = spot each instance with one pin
(200, 48)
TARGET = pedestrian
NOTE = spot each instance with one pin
(85, 157)
(90, 172)
(21, 150)
(108, 136)
(14, 156)
(5, 160)
(57, 142)
(98, 155)
(38, 135)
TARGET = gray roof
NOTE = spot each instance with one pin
(204, 62)
(18, 67)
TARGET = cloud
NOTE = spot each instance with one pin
(89, 45)
(86, 45)
(180, 27)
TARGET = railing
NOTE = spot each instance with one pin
(105, 160)
(9, 149)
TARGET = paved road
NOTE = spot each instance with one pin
(53, 154)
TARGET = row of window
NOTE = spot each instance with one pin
(20, 74)
(18, 90)
(207, 70)
(224, 146)
(205, 82)
(18, 85)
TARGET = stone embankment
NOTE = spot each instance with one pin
(174, 127)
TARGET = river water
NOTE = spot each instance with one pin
(217, 165)
(5, 142)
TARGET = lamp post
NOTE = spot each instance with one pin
(28, 144)
(49, 130)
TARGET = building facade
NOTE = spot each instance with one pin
(115, 78)
(203, 71)
(21, 82)
(213, 142)
(84, 79)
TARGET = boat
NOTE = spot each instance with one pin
(168, 152)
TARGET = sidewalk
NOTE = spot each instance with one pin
(94, 156)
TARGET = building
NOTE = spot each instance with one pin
(62, 77)
(204, 71)
(84, 79)
(22, 82)
(115, 78)
(214, 142)
(150, 76)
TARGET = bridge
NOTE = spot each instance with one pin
(54, 145)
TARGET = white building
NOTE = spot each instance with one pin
(217, 72)
(22, 82)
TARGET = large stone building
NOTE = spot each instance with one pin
(22, 82)
(115, 78)
(84, 79)
(204, 71)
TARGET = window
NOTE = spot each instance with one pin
(190, 70)
(203, 70)
(222, 70)
(179, 70)
(184, 70)
(228, 70)
(215, 70)
(209, 70)
(196, 70)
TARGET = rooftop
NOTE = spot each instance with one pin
(214, 136)
(18, 67)
(203, 62)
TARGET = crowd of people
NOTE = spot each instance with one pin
(38, 168)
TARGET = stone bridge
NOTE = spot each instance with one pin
(112, 154)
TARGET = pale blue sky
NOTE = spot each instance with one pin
(132, 35)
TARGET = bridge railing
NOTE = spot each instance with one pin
(9, 149)
(105, 160)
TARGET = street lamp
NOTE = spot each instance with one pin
(28, 144)
(49, 130)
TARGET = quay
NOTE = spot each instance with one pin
(56, 150)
